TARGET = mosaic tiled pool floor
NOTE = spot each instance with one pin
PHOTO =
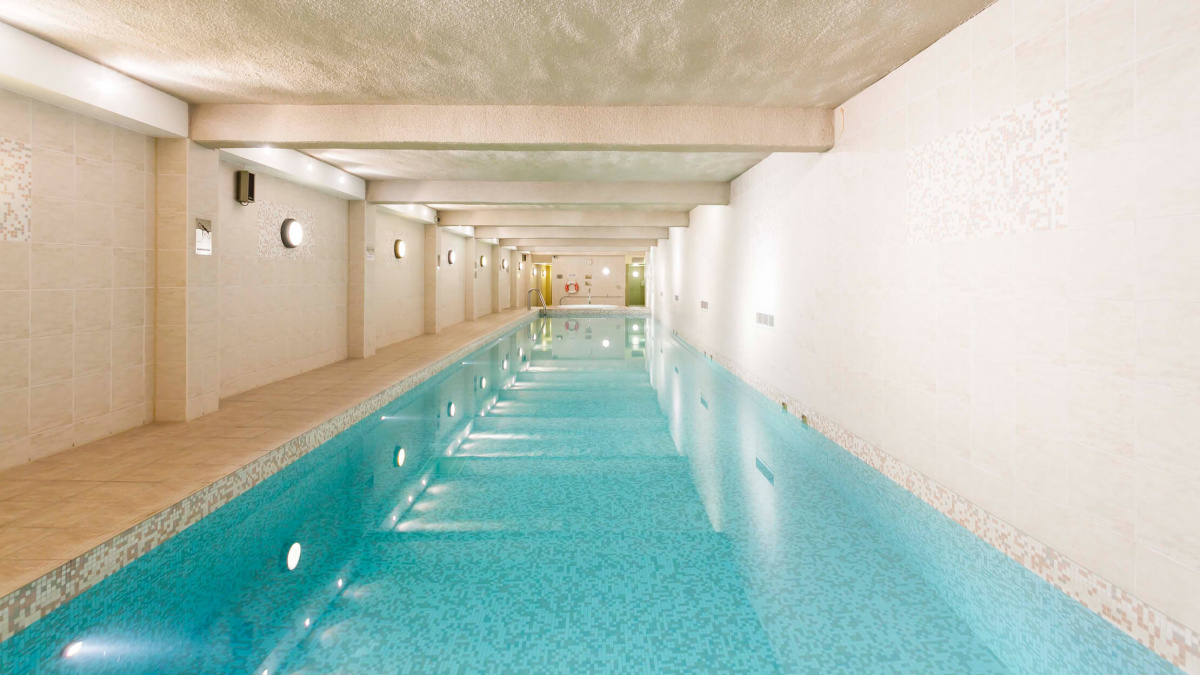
(597, 499)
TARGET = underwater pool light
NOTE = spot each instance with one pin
(504, 366)
(341, 582)
(72, 649)
(307, 622)
(400, 456)
(604, 344)
(483, 383)
(450, 409)
(293, 556)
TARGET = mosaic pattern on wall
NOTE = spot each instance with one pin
(270, 219)
(1004, 176)
(38, 598)
(1165, 636)
(16, 190)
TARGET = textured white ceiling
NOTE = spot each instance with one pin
(570, 52)
(493, 165)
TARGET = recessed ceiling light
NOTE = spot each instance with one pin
(292, 233)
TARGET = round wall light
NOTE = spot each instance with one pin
(604, 271)
(483, 261)
(483, 383)
(450, 409)
(635, 274)
(400, 456)
(292, 233)
(293, 556)
(399, 248)
(544, 272)
(504, 264)
(450, 256)
(504, 366)
(521, 266)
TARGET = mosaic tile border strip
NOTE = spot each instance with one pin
(1163, 635)
(625, 312)
(16, 190)
(41, 596)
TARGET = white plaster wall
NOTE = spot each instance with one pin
(399, 299)
(451, 279)
(606, 290)
(278, 317)
(1050, 376)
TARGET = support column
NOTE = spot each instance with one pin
(433, 244)
(187, 370)
(360, 284)
(497, 272)
(469, 285)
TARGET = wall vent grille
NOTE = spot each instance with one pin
(703, 304)
(767, 320)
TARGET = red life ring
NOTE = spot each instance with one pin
(570, 284)
(571, 325)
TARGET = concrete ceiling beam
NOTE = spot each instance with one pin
(594, 194)
(515, 127)
(572, 232)
(593, 243)
(557, 218)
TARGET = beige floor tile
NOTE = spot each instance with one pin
(16, 573)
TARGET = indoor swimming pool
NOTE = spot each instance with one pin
(581, 495)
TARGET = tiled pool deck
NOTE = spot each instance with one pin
(71, 519)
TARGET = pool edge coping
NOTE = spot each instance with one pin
(26, 605)
(1154, 629)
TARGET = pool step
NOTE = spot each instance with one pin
(549, 467)
(616, 410)
(651, 444)
(584, 426)
(572, 377)
(633, 395)
(585, 365)
(583, 384)
(646, 495)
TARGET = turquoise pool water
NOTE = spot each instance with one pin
(583, 495)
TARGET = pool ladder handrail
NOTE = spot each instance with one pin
(529, 298)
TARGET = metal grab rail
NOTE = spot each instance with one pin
(529, 298)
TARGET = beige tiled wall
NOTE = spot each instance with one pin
(76, 302)
(399, 312)
(451, 281)
(1053, 377)
(278, 317)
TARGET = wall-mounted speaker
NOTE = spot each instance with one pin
(244, 187)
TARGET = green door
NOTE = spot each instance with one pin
(635, 285)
